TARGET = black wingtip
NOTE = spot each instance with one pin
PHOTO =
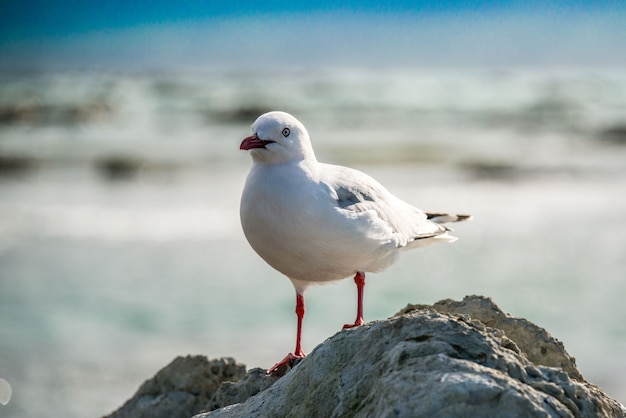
(448, 217)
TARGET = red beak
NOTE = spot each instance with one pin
(253, 141)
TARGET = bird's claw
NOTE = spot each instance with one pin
(290, 360)
(357, 323)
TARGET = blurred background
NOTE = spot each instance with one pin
(120, 176)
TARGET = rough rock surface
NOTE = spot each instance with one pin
(255, 381)
(535, 342)
(427, 361)
(181, 389)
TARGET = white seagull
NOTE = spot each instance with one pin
(317, 222)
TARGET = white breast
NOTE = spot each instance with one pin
(293, 222)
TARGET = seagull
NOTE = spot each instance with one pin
(317, 223)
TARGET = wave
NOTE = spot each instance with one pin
(114, 121)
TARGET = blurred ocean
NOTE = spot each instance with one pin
(120, 244)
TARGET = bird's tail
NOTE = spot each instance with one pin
(443, 218)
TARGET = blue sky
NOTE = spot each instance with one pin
(199, 34)
(33, 18)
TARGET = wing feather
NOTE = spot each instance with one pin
(369, 205)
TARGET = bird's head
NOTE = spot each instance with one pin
(278, 137)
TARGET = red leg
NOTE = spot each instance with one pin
(359, 279)
(300, 313)
(298, 353)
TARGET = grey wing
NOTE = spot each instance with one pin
(370, 202)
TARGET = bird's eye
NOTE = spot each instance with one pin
(286, 132)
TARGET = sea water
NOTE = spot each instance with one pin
(120, 244)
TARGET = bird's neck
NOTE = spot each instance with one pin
(310, 168)
(304, 160)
